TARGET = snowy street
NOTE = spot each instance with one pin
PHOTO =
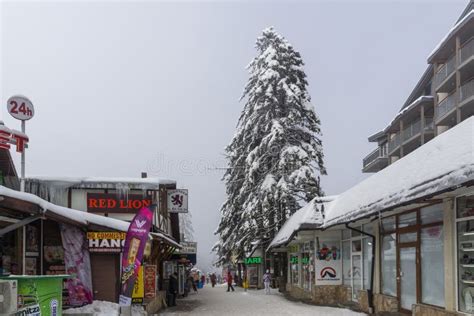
(216, 301)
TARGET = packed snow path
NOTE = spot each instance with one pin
(216, 301)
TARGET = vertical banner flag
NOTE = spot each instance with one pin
(135, 241)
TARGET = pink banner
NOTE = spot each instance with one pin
(78, 265)
(135, 241)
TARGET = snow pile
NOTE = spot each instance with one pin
(443, 163)
(103, 308)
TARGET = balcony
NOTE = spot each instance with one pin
(444, 79)
(466, 92)
(444, 108)
(467, 51)
(411, 131)
(376, 160)
(394, 143)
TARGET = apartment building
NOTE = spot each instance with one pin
(442, 98)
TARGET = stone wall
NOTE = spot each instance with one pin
(425, 310)
(331, 294)
(385, 303)
(297, 292)
(363, 300)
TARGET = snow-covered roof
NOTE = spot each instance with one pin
(450, 34)
(307, 217)
(167, 239)
(79, 217)
(444, 162)
(88, 182)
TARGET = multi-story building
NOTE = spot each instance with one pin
(442, 98)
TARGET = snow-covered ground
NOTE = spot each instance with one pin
(103, 308)
(216, 301)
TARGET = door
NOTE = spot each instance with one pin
(105, 276)
(407, 277)
(356, 275)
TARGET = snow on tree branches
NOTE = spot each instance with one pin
(276, 156)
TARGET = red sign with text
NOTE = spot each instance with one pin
(113, 203)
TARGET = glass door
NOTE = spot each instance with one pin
(356, 275)
(407, 277)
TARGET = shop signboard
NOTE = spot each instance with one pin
(188, 247)
(293, 248)
(139, 288)
(135, 241)
(114, 203)
(253, 260)
(328, 264)
(20, 107)
(150, 281)
(106, 242)
(178, 201)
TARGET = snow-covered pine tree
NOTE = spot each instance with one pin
(186, 226)
(276, 156)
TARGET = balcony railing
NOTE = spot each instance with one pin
(412, 130)
(371, 157)
(445, 106)
(429, 124)
(466, 91)
(446, 70)
(394, 142)
(467, 50)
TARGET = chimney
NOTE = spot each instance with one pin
(144, 175)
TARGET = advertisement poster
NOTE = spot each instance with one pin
(39, 296)
(54, 260)
(106, 242)
(328, 263)
(135, 241)
(77, 264)
(139, 288)
(150, 281)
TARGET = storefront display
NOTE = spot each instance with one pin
(294, 269)
(10, 252)
(465, 244)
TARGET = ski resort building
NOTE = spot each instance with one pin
(403, 239)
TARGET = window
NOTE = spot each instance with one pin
(367, 264)
(389, 265)
(432, 264)
(346, 262)
(465, 252)
(294, 269)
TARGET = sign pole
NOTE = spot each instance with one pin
(22, 181)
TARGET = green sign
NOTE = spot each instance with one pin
(304, 260)
(39, 295)
(253, 260)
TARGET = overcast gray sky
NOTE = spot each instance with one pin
(125, 87)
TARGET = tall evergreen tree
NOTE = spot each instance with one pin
(275, 157)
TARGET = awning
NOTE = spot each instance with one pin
(167, 239)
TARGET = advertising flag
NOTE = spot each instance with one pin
(132, 255)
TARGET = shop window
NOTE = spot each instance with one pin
(408, 237)
(294, 269)
(389, 265)
(305, 267)
(357, 245)
(388, 224)
(431, 214)
(406, 220)
(346, 234)
(11, 252)
(367, 264)
(432, 265)
(465, 251)
(346, 262)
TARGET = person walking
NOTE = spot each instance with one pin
(267, 279)
(173, 289)
(229, 282)
(213, 279)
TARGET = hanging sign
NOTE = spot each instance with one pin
(178, 201)
(135, 241)
(150, 281)
(188, 247)
(20, 107)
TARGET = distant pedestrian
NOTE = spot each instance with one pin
(196, 280)
(213, 279)
(173, 289)
(229, 282)
(203, 279)
(267, 279)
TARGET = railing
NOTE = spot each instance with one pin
(466, 91)
(411, 130)
(467, 50)
(445, 106)
(446, 70)
(394, 142)
(380, 152)
(429, 124)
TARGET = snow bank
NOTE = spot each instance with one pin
(103, 308)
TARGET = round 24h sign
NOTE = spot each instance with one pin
(20, 107)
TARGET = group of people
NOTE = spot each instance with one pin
(267, 280)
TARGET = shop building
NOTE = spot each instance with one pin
(120, 199)
(399, 241)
